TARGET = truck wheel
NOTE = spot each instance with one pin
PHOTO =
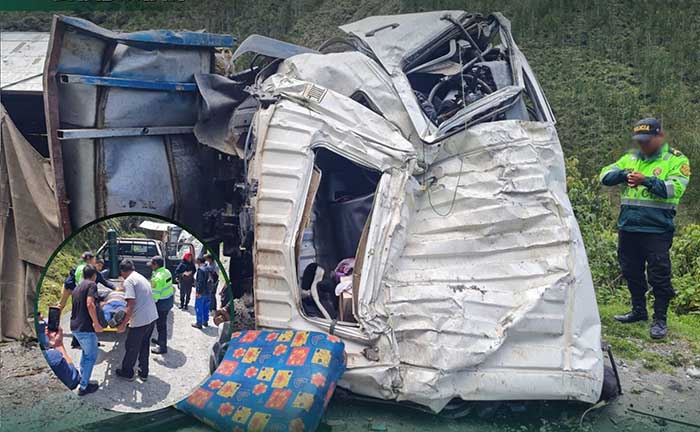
(610, 390)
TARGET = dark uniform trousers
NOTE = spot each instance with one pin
(646, 257)
(163, 306)
(137, 346)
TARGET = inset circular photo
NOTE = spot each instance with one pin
(125, 312)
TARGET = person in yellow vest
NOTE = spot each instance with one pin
(163, 294)
(653, 178)
(75, 277)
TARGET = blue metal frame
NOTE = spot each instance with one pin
(128, 83)
(153, 37)
(66, 134)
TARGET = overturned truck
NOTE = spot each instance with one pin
(402, 188)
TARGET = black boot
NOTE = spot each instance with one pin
(658, 329)
(658, 326)
(635, 315)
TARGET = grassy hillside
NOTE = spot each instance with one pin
(67, 257)
(603, 64)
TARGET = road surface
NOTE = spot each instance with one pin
(172, 376)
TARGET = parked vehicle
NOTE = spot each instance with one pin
(141, 250)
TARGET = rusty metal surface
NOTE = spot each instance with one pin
(109, 128)
(52, 124)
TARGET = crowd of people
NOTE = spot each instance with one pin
(135, 305)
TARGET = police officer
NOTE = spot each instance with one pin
(654, 177)
(162, 287)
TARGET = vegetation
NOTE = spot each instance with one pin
(602, 64)
(597, 222)
(67, 257)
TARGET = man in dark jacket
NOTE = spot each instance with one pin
(201, 303)
(75, 277)
(213, 268)
(184, 276)
(101, 280)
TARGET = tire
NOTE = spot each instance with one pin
(610, 390)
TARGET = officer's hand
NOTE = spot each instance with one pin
(98, 328)
(635, 179)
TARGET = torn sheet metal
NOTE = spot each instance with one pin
(354, 75)
(395, 42)
(126, 82)
(475, 282)
(491, 290)
(394, 39)
(305, 118)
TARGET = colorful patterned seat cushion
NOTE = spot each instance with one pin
(270, 381)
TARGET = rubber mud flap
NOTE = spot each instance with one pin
(610, 389)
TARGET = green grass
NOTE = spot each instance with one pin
(52, 285)
(632, 341)
(87, 239)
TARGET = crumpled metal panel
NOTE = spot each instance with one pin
(368, 139)
(393, 38)
(350, 73)
(487, 297)
(497, 294)
(286, 134)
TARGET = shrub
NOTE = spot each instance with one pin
(596, 217)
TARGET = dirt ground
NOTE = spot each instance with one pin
(32, 399)
(172, 376)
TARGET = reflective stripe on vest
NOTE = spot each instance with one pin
(162, 284)
(648, 203)
(664, 167)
